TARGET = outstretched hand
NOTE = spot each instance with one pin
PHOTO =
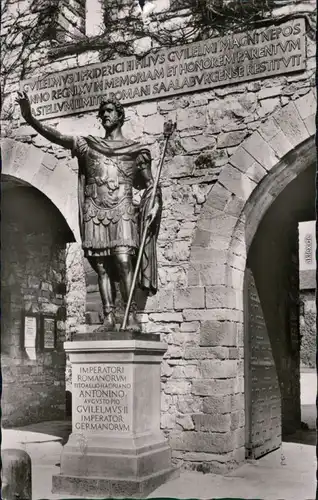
(23, 101)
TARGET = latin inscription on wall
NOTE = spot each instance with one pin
(101, 398)
(202, 65)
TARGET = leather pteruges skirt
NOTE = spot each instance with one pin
(109, 230)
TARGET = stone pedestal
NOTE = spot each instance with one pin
(116, 448)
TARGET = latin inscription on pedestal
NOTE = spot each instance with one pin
(102, 398)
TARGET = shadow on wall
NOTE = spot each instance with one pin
(68, 404)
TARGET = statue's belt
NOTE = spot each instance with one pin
(91, 187)
(100, 180)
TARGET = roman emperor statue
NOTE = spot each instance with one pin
(110, 223)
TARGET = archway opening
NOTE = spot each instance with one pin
(34, 237)
(271, 316)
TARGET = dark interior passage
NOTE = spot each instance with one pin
(33, 240)
(273, 381)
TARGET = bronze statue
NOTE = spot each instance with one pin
(110, 224)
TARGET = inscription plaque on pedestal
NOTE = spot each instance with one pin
(102, 398)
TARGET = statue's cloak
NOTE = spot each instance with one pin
(148, 273)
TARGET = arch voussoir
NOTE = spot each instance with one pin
(307, 107)
(291, 124)
(20, 160)
(219, 200)
(260, 150)
(49, 161)
(7, 152)
(236, 182)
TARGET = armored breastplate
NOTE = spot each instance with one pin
(109, 179)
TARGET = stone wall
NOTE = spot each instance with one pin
(75, 297)
(33, 270)
(196, 313)
(308, 328)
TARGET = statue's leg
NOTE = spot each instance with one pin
(107, 290)
(126, 272)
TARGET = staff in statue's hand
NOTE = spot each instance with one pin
(169, 127)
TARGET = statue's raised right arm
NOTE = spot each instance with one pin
(50, 133)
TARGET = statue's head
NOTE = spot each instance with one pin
(111, 112)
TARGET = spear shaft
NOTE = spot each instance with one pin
(167, 131)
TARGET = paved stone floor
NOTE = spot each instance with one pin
(287, 474)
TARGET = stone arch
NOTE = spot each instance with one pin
(43, 171)
(260, 168)
(258, 171)
(33, 282)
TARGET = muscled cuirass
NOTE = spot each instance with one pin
(108, 191)
(109, 217)
(109, 179)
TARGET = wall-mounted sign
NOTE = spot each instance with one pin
(307, 245)
(39, 333)
(197, 66)
(308, 248)
(49, 333)
(30, 332)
